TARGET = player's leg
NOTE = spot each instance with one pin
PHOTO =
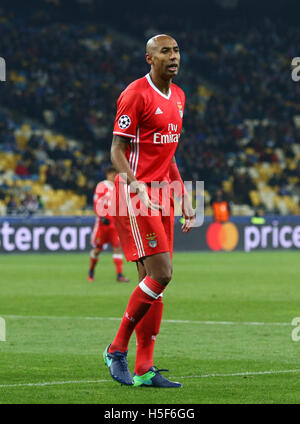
(99, 238)
(117, 256)
(94, 256)
(144, 295)
(158, 274)
(95, 243)
(159, 267)
(140, 269)
(145, 374)
(141, 237)
(118, 261)
(147, 330)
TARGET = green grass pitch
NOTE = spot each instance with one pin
(226, 330)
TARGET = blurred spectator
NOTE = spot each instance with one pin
(246, 118)
(220, 206)
(21, 169)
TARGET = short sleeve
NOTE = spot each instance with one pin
(129, 108)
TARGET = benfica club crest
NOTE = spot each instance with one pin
(152, 239)
(180, 109)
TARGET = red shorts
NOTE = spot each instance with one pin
(104, 234)
(140, 235)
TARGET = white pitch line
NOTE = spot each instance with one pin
(54, 383)
(242, 374)
(170, 321)
(236, 374)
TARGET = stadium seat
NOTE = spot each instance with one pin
(255, 197)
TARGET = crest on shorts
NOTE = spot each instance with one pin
(152, 239)
(124, 122)
(180, 109)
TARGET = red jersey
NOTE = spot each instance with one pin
(103, 197)
(152, 121)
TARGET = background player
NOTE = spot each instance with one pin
(146, 134)
(104, 228)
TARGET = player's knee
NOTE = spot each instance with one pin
(164, 276)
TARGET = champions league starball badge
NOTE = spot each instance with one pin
(124, 122)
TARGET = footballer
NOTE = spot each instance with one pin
(145, 137)
(104, 229)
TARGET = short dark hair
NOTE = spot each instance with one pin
(110, 169)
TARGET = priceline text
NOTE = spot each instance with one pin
(271, 236)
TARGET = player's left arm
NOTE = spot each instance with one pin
(102, 203)
(187, 208)
(98, 198)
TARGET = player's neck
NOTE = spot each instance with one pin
(161, 84)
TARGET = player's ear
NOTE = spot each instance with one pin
(148, 58)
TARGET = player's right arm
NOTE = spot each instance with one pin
(121, 164)
(118, 158)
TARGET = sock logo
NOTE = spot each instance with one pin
(131, 319)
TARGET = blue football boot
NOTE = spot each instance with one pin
(118, 367)
(153, 378)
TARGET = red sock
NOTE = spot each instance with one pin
(93, 262)
(118, 261)
(140, 301)
(146, 332)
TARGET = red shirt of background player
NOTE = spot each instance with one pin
(104, 229)
(102, 200)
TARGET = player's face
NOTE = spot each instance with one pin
(111, 176)
(165, 58)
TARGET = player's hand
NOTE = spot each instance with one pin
(141, 190)
(188, 213)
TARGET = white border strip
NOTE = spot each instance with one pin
(124, 134)
(130, 215)
(235, 374)
(117, 256)
(148, 291)
(134, 152)
(137, 141)
(133, 222)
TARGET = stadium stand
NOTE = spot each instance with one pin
(42, 172)
(241, 126)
